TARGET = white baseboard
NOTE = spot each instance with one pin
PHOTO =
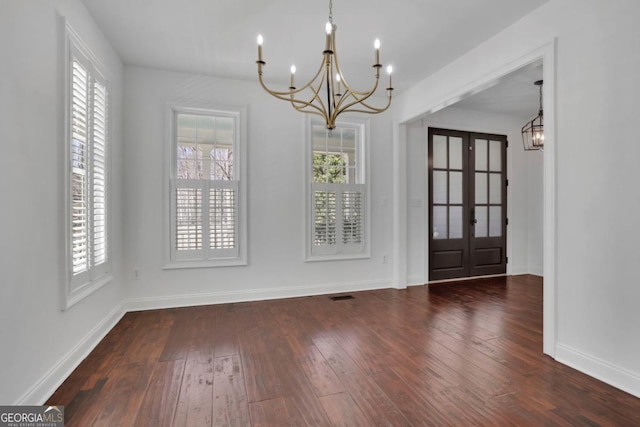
(416, 281)
(524, 269)
(43, 389)
(613, 375)
(536, 271)
(517, 270)
(187, 300)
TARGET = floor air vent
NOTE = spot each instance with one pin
(341, 297)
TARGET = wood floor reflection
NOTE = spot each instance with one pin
(461, 354)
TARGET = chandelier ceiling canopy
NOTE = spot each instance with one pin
(328, 94)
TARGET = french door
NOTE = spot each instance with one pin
(467, 204)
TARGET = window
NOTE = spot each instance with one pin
(87, 148)
(337, 220)
(206, 196)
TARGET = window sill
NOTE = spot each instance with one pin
(336, 257)
(232, 262)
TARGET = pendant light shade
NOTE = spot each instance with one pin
(533, 131)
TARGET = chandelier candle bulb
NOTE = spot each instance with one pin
(260, 41)
(389, 71)
(293, 73)
(329, 29)
(376, 45)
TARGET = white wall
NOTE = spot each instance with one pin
(597, 203)
(524, 200)
(275, 147)
(39, 342)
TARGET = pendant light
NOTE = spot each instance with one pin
(533, 131)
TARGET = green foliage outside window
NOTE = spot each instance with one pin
(329, 168)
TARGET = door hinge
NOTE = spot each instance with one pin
(507, 221)
(507, 143)
(506, 260)
(507, 182)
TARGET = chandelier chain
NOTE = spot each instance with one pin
(540, 98)
(331, 11)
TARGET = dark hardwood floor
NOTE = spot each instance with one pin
(449, 355)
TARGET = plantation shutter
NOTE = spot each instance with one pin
(99, 174)
(223, 218)
(205, 218)
(79, 168)
(338, 218)
(352, 218)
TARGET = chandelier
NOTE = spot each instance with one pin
(328, 94)
(533, 131)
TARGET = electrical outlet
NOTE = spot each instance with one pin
(384, 259)
(136, 274)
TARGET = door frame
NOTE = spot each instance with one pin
(546, 53)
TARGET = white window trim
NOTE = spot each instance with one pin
(200, 107)
(363, 159)
(75, 289)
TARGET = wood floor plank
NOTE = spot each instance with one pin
(195, 402)
(321, 377)
(225, 336)
(416, 409)
(177, 343)
(161, 398)
(342, 411)
(128, 380)
(462, 353)
(275, 412)
(449, 398)
(261, 380)
(230, 402)
(336, 357)
(85, 406)
(373, 402)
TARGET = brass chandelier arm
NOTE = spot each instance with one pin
(316, 91)
(354, 92)
(356, 100)
(358, 96)
(289, 92)
(371, 110)
(297, 103)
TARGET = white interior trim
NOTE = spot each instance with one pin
(226, 297)
(597, 368)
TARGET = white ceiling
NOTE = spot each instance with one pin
(218, 37)
(514, 94)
